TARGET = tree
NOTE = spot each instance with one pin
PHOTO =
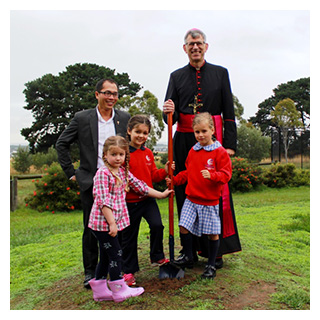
(298, 91)
(252, 145)
(22, 160)
(287, 118)
(53, 100)
(238, 109)
(147, 104)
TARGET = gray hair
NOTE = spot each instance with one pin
(194, 33)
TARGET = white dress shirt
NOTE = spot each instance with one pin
(106, 129)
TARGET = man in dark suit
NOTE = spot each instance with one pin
(91, 128)
(203, 87)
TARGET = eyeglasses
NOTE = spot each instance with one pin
(198, 43)
(109, 93)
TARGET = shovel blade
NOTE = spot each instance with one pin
(170, 271)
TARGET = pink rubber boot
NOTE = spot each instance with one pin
(121, 291)
(100, 290)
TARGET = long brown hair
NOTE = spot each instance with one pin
(122, 143)
(137, 120)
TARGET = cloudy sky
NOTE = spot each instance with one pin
(260, 48)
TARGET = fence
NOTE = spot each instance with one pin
(14, 188)
(299, 144)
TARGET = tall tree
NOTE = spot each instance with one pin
(252, 144)
(287, 118)
(238, 109)
(147, 104)
(298, 91)
(53, 100)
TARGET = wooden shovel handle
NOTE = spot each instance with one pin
(170, 172)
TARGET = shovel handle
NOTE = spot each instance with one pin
(170, 173)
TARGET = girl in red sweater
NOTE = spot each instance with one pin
(143, 167)
(208, 168)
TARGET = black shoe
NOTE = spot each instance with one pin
(209, 272)
(195, 257)
(219, 263)
(87, 278)
(183, 262)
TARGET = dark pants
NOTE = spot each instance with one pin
(89, 241)
(110, 256)
(149, 210)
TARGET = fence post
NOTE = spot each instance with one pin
(14, 188)
(13, 193)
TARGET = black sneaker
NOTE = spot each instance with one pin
(219, 263)
(209, 272)
(87, 278)
(183, 262)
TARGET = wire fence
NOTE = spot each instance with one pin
(298, 147)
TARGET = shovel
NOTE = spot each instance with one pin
(169, 270)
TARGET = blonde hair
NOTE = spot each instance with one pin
(203, 116)
(122, 143)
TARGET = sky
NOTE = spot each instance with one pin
(260, 48)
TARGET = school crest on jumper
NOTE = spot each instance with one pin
(209, 164)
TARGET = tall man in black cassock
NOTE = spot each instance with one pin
(203, 87)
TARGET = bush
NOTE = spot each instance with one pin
(54, 192)
(287, 175)
(41, 159)
(245, 176)
(302, 177)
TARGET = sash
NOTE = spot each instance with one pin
(185, 122)
(227, 220)
(185, 125)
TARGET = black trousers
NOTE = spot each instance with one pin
(89, 241)
(149, 210)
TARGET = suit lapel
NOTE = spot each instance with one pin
(94, 129)
(119, 125)
(116, 121)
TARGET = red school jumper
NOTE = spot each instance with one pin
(142, 166)
(216, 160)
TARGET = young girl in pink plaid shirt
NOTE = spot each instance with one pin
(109, 214)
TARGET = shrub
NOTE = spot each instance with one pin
(41, 159)
(285, 175)
(245, 176)
(302, 177)
(54, 192)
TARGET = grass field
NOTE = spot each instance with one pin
(271, 273)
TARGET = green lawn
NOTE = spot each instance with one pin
(271, 272)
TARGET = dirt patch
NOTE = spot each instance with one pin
(256, 297)
(69, 294)
(162, 286)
